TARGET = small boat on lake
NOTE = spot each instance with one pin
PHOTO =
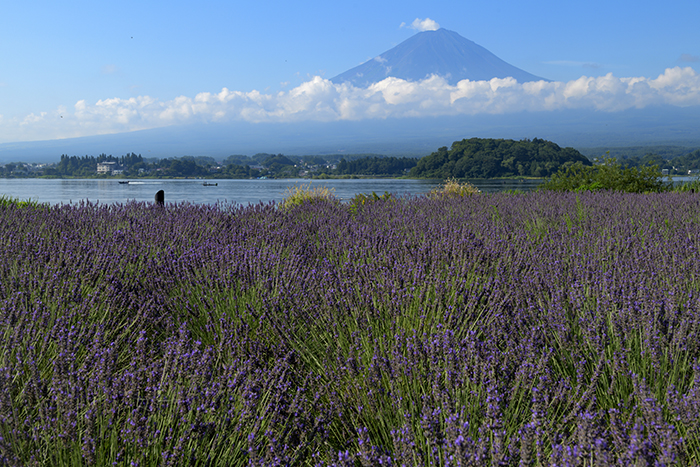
(210, 184)
(123, 182)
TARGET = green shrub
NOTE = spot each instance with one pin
(610, 175)
(453, 189)
(301, 194)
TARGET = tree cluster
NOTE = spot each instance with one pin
(376, 166)
(488, 158)
(86, 166)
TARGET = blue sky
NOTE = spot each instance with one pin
(81, 68)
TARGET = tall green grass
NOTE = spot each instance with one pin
(6, 201)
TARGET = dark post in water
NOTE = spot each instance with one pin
(160, 197)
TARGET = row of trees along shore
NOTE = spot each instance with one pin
(233, 167)
(468, 158)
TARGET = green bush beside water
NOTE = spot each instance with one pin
(610, 175)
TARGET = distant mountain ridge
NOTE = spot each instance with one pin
(442, 52)
(394, 136)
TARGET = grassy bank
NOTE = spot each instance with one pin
(532, 329)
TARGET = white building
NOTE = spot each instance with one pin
(106, 167)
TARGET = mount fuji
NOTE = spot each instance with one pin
(442, 52)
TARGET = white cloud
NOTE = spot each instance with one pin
(321, 100)
(426, 24)
(32, 118)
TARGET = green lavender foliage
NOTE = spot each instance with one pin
(360, 200)
(7, 201)
(691, 186)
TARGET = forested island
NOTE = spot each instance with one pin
(468, 158)
(489, 158)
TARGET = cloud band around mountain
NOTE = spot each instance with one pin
(321, 100)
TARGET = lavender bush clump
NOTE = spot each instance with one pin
(535, 329)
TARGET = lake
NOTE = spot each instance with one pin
(67, 191)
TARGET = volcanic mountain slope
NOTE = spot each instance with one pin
(442, 52)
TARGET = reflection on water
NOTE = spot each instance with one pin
(59, 191)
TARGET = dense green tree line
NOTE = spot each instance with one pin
(86, 166)
(376, 166)
(132, 165)
(487, 158)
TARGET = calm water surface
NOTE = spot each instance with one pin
(59, 191)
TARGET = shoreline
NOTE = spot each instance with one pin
(328, 177)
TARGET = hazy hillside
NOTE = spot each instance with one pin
(395, 136)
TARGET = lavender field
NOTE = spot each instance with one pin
(503, 329)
